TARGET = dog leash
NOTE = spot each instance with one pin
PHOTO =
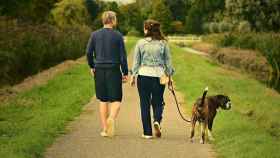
(171, 88)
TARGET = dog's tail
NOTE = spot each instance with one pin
(203, 97)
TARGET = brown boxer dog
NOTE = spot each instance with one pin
(204, 111)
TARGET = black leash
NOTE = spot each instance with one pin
(171, 88)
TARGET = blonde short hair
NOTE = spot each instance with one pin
(109, 17)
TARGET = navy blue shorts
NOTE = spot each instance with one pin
(108, 84)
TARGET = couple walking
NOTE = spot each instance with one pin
(107, 59)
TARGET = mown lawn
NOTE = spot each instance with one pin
(32, 120)
(252, 128)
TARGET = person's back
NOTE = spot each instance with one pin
(152, 61)
(106, 54)
(108, 47)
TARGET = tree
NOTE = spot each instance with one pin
(162, 14)
(132, 18)
(93, 8)
(194, 21)
(70, 13)
(262, 15)
(27, 10)
(178, 8)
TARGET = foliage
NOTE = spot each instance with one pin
(70, 13)
(194, 22)
(27, 10)
(178, 9)
(262, 15)
(214, 27)
(244, 27)
(27, 49)
(131, 18)
(162, 13)
(177, 27)
(92, 8)
(225, 27)
(266, 43)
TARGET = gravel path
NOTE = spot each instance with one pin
(83, 141)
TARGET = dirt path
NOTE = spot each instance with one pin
(83, 139)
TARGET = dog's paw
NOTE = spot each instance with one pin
(201, 141)
(191, 140)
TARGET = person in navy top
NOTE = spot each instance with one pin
(107, 59)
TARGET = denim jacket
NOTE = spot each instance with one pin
(152, 53)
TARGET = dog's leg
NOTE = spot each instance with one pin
(192, 129)
(203, 129)
(210, 124)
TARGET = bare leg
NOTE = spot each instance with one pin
(115, 109)
(103, 110)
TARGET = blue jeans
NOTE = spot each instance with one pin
(151, 93)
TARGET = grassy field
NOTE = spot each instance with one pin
(32, 120)
(251, 129)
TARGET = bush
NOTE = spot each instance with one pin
(244, 27)
(177, 27)
(28, 49)
(214, 27)
(227, 41)
(225, 27)
(266, 43)
(205, 28)
(70, 13)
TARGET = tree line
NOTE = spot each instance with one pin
(176, 16)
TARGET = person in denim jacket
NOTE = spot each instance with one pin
(152, 60)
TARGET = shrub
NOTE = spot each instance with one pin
(177, 27)
(70, 13)
(205, 28)
(266, 43)
(227, 40)
(26, 49)
(225, 27)
(244, 27)
(214, 27)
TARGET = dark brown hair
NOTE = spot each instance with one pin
(153, 28)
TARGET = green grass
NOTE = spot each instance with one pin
(252, 128)
(32, 120)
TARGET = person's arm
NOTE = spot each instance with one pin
(90, 52)
(168, 63)
(136, 60)
(123, 56)
(136, 64)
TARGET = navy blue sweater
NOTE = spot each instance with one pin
(106, 49)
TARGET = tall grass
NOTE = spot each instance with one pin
(26, 49)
